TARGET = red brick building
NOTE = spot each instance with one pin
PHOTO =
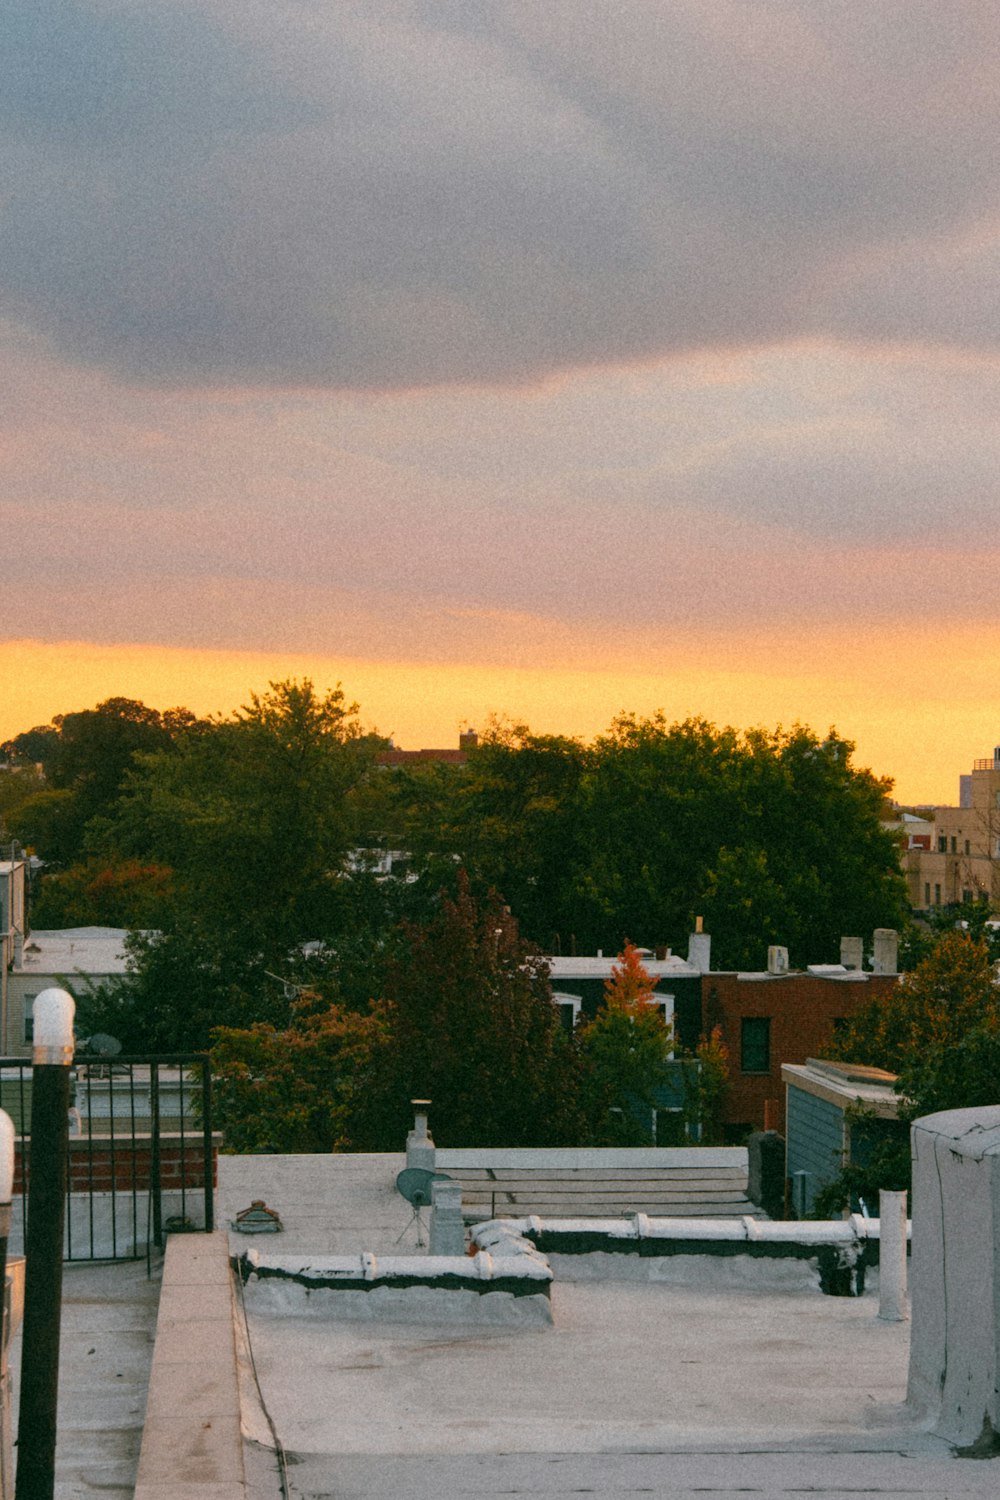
(770, 1019)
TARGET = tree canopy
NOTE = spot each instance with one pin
(470, 1024)
(771, 836)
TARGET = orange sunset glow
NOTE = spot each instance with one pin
(921, 738)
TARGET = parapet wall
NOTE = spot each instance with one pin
(955, 1276)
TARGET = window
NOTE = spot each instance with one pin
(937, 895)
(967, 849)
(942, 844)
(966, 896)
(669, 1128)
(755, 1044)
(954, 844)
(927, 893)
(29, 1018)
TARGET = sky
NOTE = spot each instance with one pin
(540, 358)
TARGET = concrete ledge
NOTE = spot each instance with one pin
(507, 1280)
(843, 1249)
(192, 1446)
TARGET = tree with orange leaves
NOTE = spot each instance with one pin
(631, 986)
(624, 1052)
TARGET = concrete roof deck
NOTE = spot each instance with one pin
(712, 1379)
(718, 1377)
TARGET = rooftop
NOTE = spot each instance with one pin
(717, 1376)
(66, 950)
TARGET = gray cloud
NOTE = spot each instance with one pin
(386, 194)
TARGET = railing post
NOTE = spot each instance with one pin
(52, 1058)
(155, 1193)
(206, 1118)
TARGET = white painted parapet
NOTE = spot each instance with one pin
(955, 1275)
(506, 1281)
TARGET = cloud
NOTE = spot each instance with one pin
(387, 194)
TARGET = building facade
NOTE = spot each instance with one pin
(956, 856)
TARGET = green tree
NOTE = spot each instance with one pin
(624, 1053)
(770, 836)
(706, 1076)
(86, 757)
(253, 813)
(297, 1089)
(17, 786)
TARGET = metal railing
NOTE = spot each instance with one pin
(140, 1151)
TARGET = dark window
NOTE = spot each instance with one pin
(942, 844)
(954, 845)
(755, 1044)
(669, 1125)
(967, 896)
(927, 893)
(967, 849)
(937, 895)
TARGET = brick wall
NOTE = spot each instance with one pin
(97, 1165)
(801, 1008)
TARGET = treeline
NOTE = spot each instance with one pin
(241, 848)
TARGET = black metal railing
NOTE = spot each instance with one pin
(140, 1151)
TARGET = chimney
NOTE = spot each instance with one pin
(777, 960)
(886, 959)
(852, 953)
(700, 947)
(419, 1146)
(468, 739)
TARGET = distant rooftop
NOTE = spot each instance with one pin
(67, 950)
(601, 967)
(467, 741)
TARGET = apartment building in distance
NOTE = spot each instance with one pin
(954, 855)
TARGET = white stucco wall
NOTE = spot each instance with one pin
(955, 1273)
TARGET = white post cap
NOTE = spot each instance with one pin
(52, 1028)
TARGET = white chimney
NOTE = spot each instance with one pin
(852, 952)
(886, 959)
(777, 960)
(700, 948)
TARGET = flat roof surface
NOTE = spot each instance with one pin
(725, 1378)
(637, 1388)
(64, 950)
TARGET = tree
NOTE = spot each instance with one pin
(625, 1051)
(706, 1078)
(772, 837)
(939, 1032)
(85, 757)
(253, 814)
(127, 893)
(297, 1089)
(471, 1025)
(18, 784)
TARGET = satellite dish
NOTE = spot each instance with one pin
(103, 1045)
(415, 1185)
